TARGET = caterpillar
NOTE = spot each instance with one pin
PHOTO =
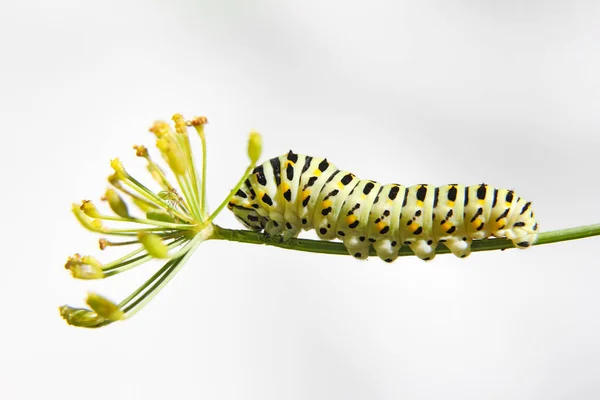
(297, 192)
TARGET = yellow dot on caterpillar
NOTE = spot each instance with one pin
(305, 194)
(446, 226)
(326, 203)
(284, 187)
(481, 202)
(340, 185)
(450, 204)
(380, 226)
(419, 203)
(413, 227)
(288, 162)
(475, 224)
(350, 219)
(317, 172)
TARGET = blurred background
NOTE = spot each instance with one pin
(397, 91)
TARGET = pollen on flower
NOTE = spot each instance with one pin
(160, 128)
(196, 121)
(180, 124)
(102, 243)
(72, 260)
(89, 209)
(141, 151)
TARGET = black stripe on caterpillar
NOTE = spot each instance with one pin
(293, 192)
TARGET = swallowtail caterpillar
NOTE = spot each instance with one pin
(294, 192)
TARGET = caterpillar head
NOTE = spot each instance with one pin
(242, 207)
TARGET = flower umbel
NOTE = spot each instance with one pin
(168, 223)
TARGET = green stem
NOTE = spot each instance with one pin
(232, 193)
(203, 193)
(325, 247)
(164, 275)
(146, 221)
(152, 197)
(128, 262)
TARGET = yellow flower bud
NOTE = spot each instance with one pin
(156, 174)
(84, 220)
(160, 215)
(160, 128)
(180, 125)
(72, 260)
(87, 271)
(97, 224)
(80, 317)
(103, 243)
(89, 260)
(198, 124)
(115, 179)
(172, 154)
(153, 245)
(141, 151)
(85, 267)
(104, 307)
(254, 146)
(116, 203)
(198, 121)
(143, 204)
(89, 209)
(115, 163)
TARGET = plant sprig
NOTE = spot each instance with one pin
(172, 223)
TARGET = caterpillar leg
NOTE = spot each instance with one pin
(356, 247)
(518, 222)
(416, 221)
(525, 241)
(423, 248)
(384, 219)
(387, 249)
(290, 230)
(460, 247)
(274, 228)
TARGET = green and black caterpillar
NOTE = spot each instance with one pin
(293, 192)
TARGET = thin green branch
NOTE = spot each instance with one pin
(232, 193)
(325, 247)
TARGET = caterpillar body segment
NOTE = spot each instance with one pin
(296, 192)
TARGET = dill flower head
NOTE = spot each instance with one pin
(168, 224)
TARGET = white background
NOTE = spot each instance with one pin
(438, 92)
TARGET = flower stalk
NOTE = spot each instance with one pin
(169, 225)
